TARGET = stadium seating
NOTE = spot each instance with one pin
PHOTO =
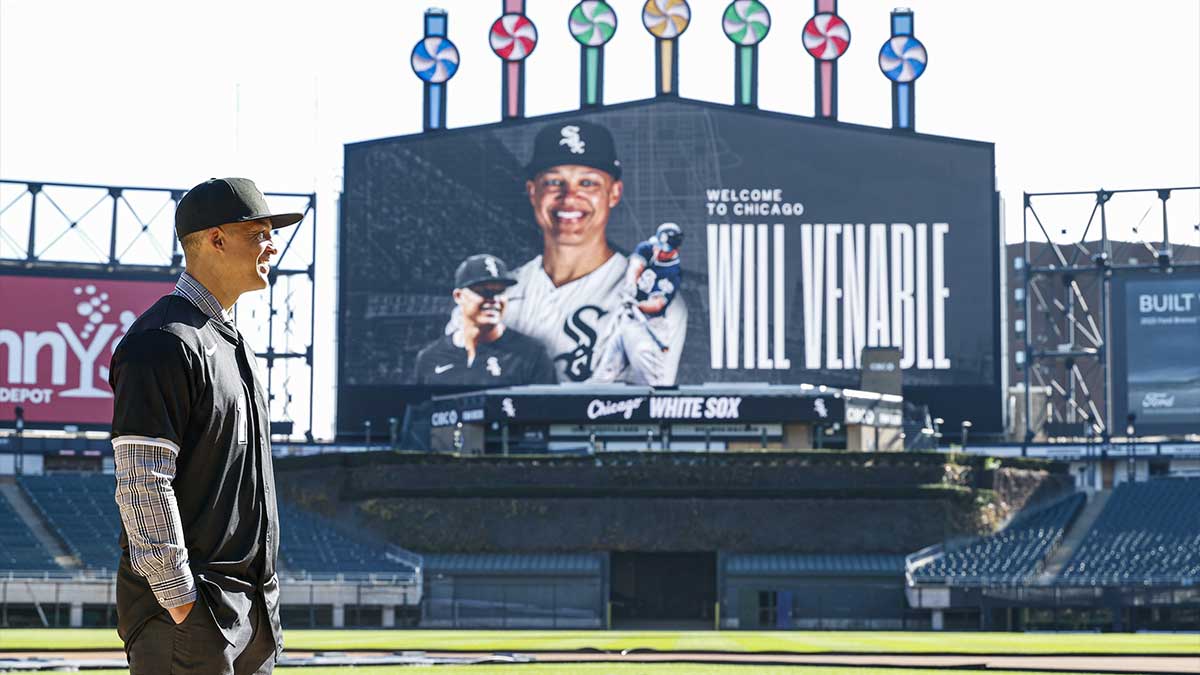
(1012, 555)
(314, 544)
(81, 508)
(788, 564)
(1148, 532)
(19, 549)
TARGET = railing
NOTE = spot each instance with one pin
(1028, 581)
(372, 578)
(923, 557)
(105, 575)
(57, 575)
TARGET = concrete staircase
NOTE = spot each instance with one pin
(37, 524)
(1074, 536)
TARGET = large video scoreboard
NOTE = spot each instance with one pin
(804, 243)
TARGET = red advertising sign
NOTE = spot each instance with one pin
(57, 336)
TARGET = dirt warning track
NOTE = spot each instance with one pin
(1033, 663)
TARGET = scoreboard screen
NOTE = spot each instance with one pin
(803, 243)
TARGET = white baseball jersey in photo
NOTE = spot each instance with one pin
(573, 320)
(630, 355)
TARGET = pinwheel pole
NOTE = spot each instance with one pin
(902, 60)
(513, 38)
(666, 20)
(826, 37)
(592, 23)
(434, 60)
(746, 23)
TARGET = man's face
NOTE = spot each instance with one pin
(571, 203)
(482, 304)
(248, 251)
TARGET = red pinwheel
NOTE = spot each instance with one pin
(513, 37)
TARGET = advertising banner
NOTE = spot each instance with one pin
(667, 243)
(1156, 363)
(57, 335)
(644, 407)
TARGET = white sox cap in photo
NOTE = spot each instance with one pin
(482, 268)
(574, 142)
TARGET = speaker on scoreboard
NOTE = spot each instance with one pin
(881, 371)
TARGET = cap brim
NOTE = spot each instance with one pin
(285, 219)
(507, 281)
(534, 168)
(278, 220)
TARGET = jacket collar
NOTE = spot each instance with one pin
(201, 297)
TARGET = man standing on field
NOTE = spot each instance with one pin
(196, 586)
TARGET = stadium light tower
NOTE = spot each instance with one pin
(434, 60)
(513, 38)
(826, 37)
(666, 20)
(1164, 252)
(902, 60)
(592, 23)
(746, 23)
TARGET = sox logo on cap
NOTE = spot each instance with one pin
(571, 139)
(490, 263)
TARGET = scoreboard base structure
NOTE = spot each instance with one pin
(728, 417)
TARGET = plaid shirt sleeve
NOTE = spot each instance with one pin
(153, 382)
(144, 470)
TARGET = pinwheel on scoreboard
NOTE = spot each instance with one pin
(902, 60)
(666, 20)
(592, 23)
(434, 60)
(826, 37)
(746, 23)
(513, 38)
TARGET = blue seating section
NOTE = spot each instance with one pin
(1011, 555)
(1147, 532)
(81, 508)
(313, 543)
(19, 549)
(796, 564)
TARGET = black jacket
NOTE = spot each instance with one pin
(181, 376)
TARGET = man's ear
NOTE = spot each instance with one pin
(614, 194)
(216, 237)
(457, 295)
(529, 188)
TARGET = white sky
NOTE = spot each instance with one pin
(1076, 94)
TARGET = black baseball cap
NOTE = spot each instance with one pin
(482, 269)
(574, 142)
(217, 201)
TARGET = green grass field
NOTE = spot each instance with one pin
(621, 669)
(732, 641)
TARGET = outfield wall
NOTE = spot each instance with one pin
(649, 524)
(753, 502)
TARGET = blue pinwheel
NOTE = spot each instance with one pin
(435, 59)
(902, 58)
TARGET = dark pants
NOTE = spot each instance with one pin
(197, 647)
